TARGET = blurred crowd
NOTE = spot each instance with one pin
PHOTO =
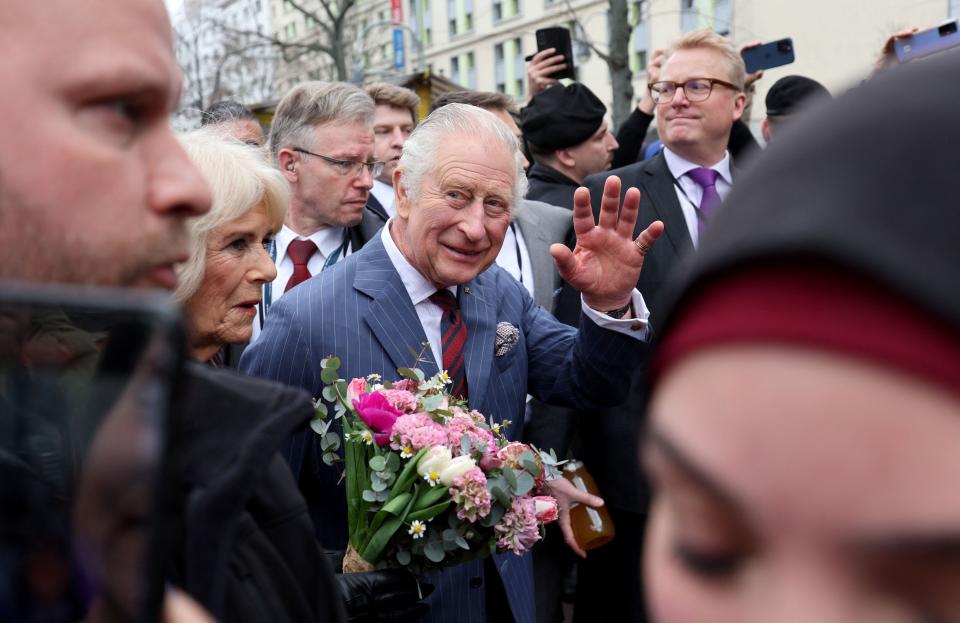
(751, 345)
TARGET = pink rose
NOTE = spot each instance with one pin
(547, 510)
(378, 414)
(355, 389)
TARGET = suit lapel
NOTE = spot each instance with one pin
(658, 184)
(391, 316)
(538, 247)
(479, 311)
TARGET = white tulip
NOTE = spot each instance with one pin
(456, 468)
(434, 461)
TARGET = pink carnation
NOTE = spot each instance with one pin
(378, 414)
(461, 424)
(469, 493)
(518, 529)
(401, 399)
(414, 431)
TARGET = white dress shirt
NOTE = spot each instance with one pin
(515, 258)
(430, 315)
(327, 240)
(384, 194)
(691, 193)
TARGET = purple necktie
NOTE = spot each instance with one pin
(707, 180)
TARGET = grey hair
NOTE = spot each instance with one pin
(707, 38)
(240, 177)
(419, 151)
(312, 103)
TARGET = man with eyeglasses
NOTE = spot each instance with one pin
(699, 95)
(322, 138)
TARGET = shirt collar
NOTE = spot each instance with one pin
(327, 240)
(384, 194)
(417, 286)
(680, 166)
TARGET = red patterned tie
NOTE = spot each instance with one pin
(300, 251)
(453, 332)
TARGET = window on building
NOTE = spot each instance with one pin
(452, 17)
(467, 15)
(519, 70)
(499, 69)
(505, 9)
(455, 69)
(689, 19)
(722, 16)
(422, 7)
(640, 41)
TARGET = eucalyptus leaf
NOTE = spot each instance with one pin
(320, 409)
(378, 485)
(328, 375)
(393, 462)
(432, 402)
(465, 445)
(403, 558)
(450, 535)
(319, 426)
(368, 496)
(524, 483)
(331, 363)
(341, 386)
(510, 476)
(329, 393)
(407, 373)
(378, 463)
(501, 495)
(462, 543)
(330, 442)
(329, 458)
(434, 551)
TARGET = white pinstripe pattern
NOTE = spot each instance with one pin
(360, 311)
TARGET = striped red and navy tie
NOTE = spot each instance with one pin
(453, 341)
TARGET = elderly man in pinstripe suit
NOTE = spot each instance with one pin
(429, 279)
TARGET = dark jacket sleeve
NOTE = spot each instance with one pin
(630, 135)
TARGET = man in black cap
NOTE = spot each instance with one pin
(788, 96)
(565, 131)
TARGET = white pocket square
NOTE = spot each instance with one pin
(507, 337)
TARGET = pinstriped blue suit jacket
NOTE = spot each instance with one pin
(359, 310)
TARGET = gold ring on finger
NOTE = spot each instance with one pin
(643, 248)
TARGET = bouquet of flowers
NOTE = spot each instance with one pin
(429, 482)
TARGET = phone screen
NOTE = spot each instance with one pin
(84, 392)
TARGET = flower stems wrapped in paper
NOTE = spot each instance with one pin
(429, 482)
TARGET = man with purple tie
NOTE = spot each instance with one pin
(699, 95)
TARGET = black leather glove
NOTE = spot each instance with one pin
(386, 595)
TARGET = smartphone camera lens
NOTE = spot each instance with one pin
(948, 29)
(784, 46)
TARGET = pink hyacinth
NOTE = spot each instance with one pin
(469, 493)
(406, 385)
(378, 414)
(401, 399)
(414, 431)
(518, 530)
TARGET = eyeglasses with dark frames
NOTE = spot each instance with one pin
(694, 89)
(347, 167)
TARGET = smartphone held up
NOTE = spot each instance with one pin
(769, 55)
(557, 38)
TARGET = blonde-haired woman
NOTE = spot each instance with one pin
(221, 285)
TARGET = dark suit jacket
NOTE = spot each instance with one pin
(359, 310)
(610, 444)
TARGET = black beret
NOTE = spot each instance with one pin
(562, 116)
(788, 94)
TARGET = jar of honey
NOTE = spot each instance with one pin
(592, 527)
